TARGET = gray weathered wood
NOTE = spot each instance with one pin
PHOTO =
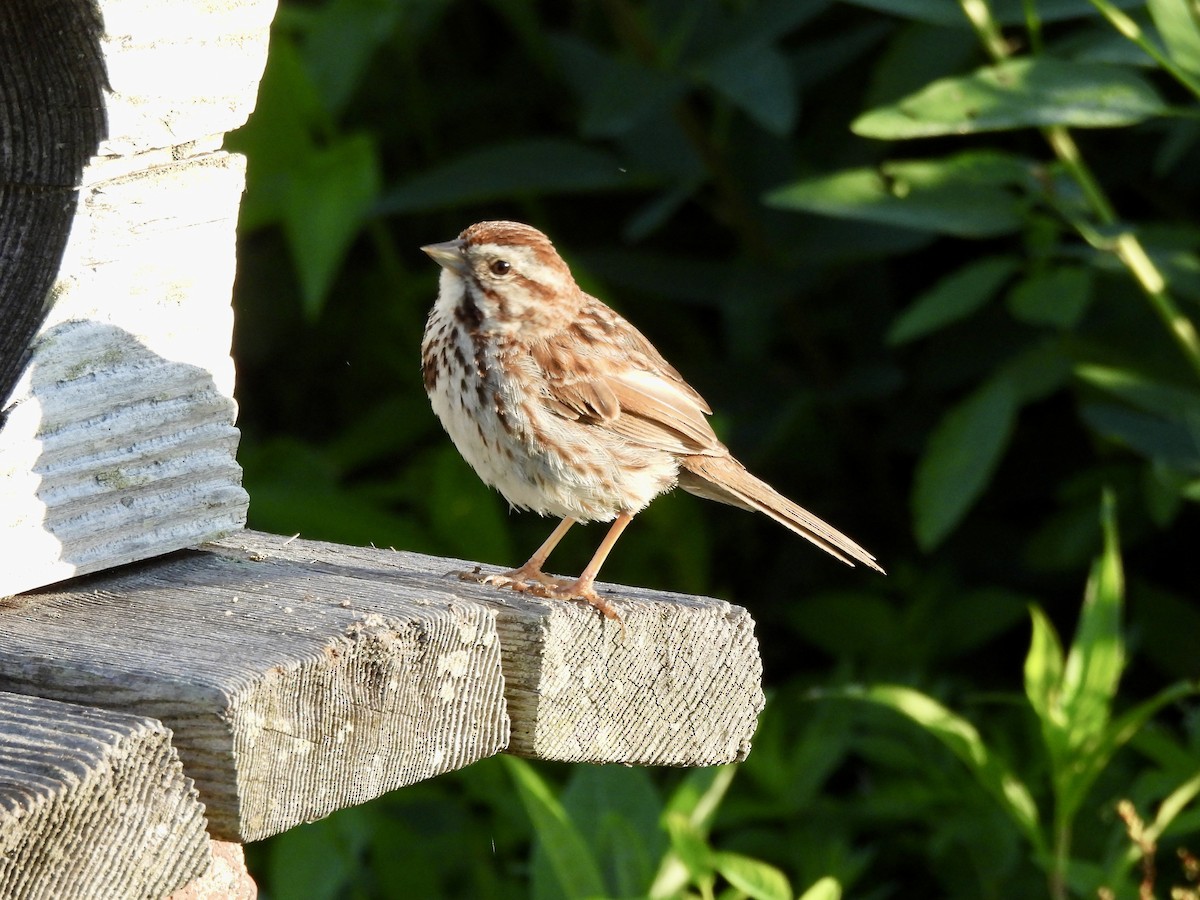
(681, 686)
(93, 804)
(291, 691)
(117, 439)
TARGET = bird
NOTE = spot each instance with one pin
(566, 409)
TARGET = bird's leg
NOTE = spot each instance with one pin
(582, 587)
(519, 579)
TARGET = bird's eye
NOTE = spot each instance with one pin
(500, 267)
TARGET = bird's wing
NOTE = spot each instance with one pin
(603, 371)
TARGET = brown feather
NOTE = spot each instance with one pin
(726, 480)
(603, 370)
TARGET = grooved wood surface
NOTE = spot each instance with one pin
(93, 804)
(681, 686)
(291, 691)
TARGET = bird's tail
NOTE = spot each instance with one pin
(724, 479)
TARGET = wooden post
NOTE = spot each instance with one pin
(117, 215)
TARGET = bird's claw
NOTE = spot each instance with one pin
(548, 587)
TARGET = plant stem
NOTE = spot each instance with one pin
(1125, 246)
(1062, 855)
(1128, 28)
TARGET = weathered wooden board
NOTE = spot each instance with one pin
(681, 686)
(291, 691)
(117, 435)
(93, 804)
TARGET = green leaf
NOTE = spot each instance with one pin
(934, 12)
(576, 870)
(827, 888)
(1043, 670)
(1178, 23)
(1097, 655)
(1155, 438)
(340, 41)
(953, 298)
(618, 813)
(692, 808)
(758, 80)
(1005, 12)
(278, 137)
(753, 877)
(1018, 93)
(616, 94)
(1057, 296)
(1166, 400)
(963, 740)
(969, 195)
(689, 845)
(502, 171)
(1085, 767)
(959, 459)
(317, 859)
(327, 204)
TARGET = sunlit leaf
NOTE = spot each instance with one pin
(827, 888)
(1086, 767)
(1097, 655)
(963, 740)
(576, 869)
(959, 459)
(753, 877)
(1018, 93)
(1178, 23)
(1043, 669)
(970, 195)
(953, 298)
(1170, 401)
(689, 845)
(1006, 12)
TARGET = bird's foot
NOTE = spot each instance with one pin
(580, 591)
(528, 580)
(525, 580)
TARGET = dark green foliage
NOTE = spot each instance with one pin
(934, 265)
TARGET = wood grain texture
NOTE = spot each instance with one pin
(117, 435)
(682, 686)
(93, 804)
(51, 122)
(120, 440)
(291, 691)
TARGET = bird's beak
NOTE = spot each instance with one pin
(448, 255)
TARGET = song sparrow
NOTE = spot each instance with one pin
(566, 409)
